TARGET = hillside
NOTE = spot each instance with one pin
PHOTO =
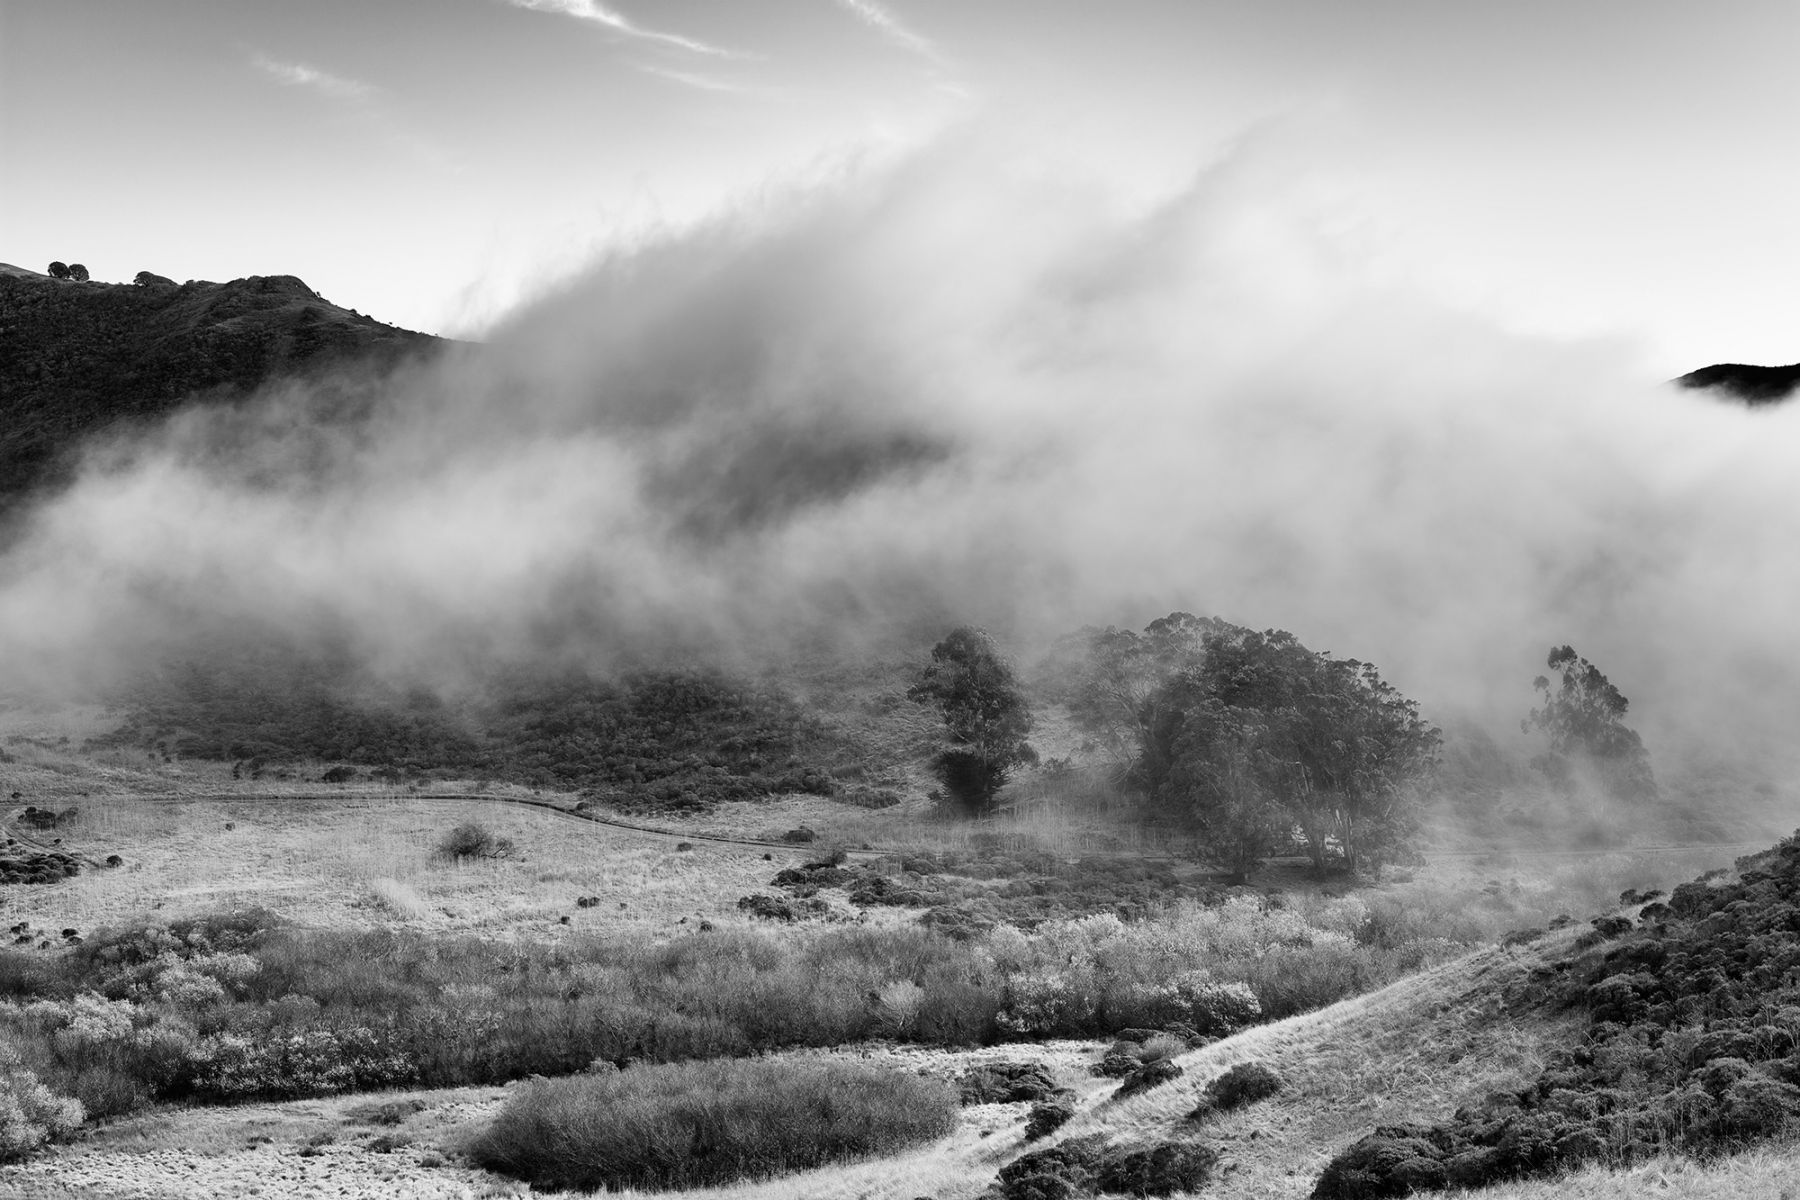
(1751, 384)
(76, 357)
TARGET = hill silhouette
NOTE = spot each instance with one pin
(1751, 384)
(77, 357)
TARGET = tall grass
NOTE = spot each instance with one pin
(692, 1124)
(238, 1006)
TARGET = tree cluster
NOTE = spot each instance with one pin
(1256, 743)
(75, 271)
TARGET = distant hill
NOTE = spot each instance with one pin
(1752, 385)
(76, 357)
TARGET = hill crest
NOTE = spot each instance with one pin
(79, 356)
(1753, 385)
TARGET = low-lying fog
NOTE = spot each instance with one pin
(958, 388)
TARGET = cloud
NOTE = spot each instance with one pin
(600, 14)
(291, 74)
(880, 18)
(956, 390)
(705, 83)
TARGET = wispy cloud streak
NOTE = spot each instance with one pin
(881, 19)
(618, 22)
(293, 74)
(704, 83)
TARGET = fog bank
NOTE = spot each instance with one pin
(967, 387)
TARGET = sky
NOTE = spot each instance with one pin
(1577, 169)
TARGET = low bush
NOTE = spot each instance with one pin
(30, 1114)
(472, 839)
(696, 1124)
(1150, 1075)
(1048, 1116)
(1006, 1083)
(1088, 1166)
(1245, 1083)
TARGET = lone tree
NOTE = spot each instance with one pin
(1266, 736)
(59, 270)
(78, 273)
(1582, 716)
(986, 718)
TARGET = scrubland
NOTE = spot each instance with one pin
(258, 951)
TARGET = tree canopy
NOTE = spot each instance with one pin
(1582, 718)
(1264, 736)
(1112, 673)
(986, 718)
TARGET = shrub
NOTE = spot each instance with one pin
(472, 839)
(1149, 1075)
(1063, 1170)
(1049, 1116)
(696, 1124)
(1086, 1165)
(1006, 1083)
(1160, 1170)
(1245, 1083)
(30, 1114)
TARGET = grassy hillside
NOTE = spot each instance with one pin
(76, 357)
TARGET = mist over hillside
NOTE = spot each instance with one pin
(949, 389)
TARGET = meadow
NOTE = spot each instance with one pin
(259, 947)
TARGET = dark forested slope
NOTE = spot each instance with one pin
(1750, 384)
(76, 357)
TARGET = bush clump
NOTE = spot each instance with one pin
(472, 839)
(1049, 1116)
(1152, 1074)
(697, 1124)
(30, 1114)
(1245, 1083)
(1006, 1083)
(1088, 1166)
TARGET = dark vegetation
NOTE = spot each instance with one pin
(1254, 743)
(28, 864)
(986, 718)
(472, 839)
(650, 740)
(74, 360)
(1091, 1166)
(1582, 718)
(1693, 1045)
(1245, 1083)
(1750, 384)
(695, 1124)
(968, 893)
(1007, 1083)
